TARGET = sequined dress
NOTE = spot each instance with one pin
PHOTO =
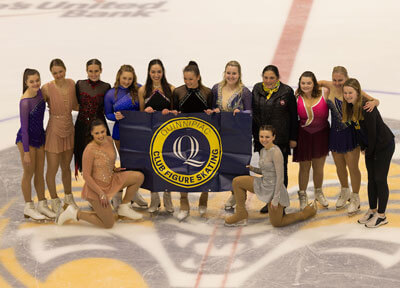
(98, 163)
(90, 96)
(112, 104)
(342, 138)
(60, 128)
(31, 112)
(270, 187)
(238, 100)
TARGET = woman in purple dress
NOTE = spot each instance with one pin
(30, 142)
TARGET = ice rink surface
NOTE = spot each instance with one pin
(330, 250)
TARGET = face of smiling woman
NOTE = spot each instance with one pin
(191, 80)
(58, 73)
(270, 79)
(126, 79)
(33, 82)
(93, 72)
(99, 134)
(350, 94)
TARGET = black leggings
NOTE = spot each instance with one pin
(378, 169)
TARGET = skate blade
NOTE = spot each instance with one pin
(137, 206)
(127, 219)
(237, 224)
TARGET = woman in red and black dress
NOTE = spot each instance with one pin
(90, 96)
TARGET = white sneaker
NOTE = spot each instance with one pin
(31, 212)
(376, 221)
(139, 202)
(202, 210)
(344, 196)
(71, 213)
(320, 197)
(154, 202)
(125, 210)
(367, 216)
(168, 202)
(230, 203)
(56, 205)
(354, 205)
(44, 209)
(69, 200)
(303, 199)
(116, 200)
(182, 215)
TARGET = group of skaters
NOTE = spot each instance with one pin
(283, 120)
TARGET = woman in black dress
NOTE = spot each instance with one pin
(90, 95)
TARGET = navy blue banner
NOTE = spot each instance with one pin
(187, 153)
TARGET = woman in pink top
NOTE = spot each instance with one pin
(61, 98)
(313, 139)
(102, 181)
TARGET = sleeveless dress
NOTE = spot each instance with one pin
(31, 113)
(270, 187)
(313, 137)
(158, 101)
(98, 164)
(342, 137)
(60, 128)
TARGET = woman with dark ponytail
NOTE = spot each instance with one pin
(30, 142)
(90, 96)
(193, 97)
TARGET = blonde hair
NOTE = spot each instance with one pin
(340, 70)
(353, 112)
(236, 64)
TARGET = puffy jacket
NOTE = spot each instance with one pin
(280, 111)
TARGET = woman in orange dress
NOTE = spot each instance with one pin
(59, 147)
(102, 181)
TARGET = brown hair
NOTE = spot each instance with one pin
(268, 128)
(57, 62)
(28, 72)
(133, 89)
(193, 67)
(93, 62)
(353, 111)
(316, 92)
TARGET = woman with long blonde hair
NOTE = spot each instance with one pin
(230, 95)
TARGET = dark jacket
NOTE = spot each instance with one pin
(373, 134)
(280, 111)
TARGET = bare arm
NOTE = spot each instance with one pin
(141, 97)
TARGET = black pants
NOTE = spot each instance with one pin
(378, 169)
(285, 152)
